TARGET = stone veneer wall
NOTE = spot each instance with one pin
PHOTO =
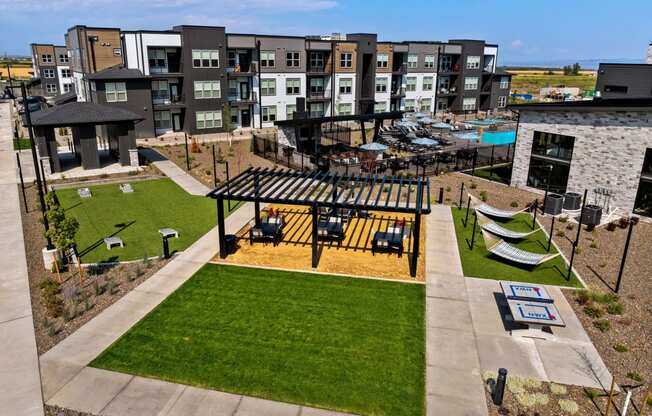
(608, 152)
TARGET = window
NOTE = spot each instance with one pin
(208, 119)
(202, 58)
(65, 73)
(234, 115)
(316, 60)
(162, 120)
(48, 73)
(410, 83)
(446, 63)
(380, 107)
(157, 59)
(207, 89)
(504, 82)
(643, 201)
(472, 62)
(502, 101)
(63, 58)
(267, 59)
(381, 84)
(616, 88)
(316, 86)
(293, 86)
(115, 91)
(426, 104)
(409, 105)
(117, 52)
(269, 113)
(345, 85)
(231, 59)
(268, 86)
(442, 105)
(290, 109)
(427, 83)
(413, 60)
(344, 109)
(471, 83)
(160, 90)
(292, 59)
(67, 87)
(316, 110)
(552, 145)
(429, 61)
(51, 88)
(382, 60)
(346, 60)
(444, 84)
(46, 58)
(468, 104)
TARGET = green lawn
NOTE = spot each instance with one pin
(498, 173)
(136, 218)
(347, 344)
(480, 263)
(22, 144)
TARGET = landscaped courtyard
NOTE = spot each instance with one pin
(136, 218)
(353, 345)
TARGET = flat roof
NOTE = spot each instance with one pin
(117, 73)
(597, 104)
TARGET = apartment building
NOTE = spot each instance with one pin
(51, 64)
(202, 80)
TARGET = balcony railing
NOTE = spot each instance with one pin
(235, 96)
(449, 68)
(320, 94)
(399, 69)
(243, 70)
(449, 90)
(317, 69)
(398, 91)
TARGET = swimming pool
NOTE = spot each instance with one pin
(499, 137)
(485, 122)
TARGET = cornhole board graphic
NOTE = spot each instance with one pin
(526, 291)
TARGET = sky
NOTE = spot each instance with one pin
(527, 31)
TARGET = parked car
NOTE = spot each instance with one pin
(35, 103)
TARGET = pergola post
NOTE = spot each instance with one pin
(363, 132)
(315, 225)
(256, 202)
(415, 245)
(221, 232)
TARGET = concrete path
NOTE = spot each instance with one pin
(20, 389)
(453, 380)
(69, 383)
(174, 172)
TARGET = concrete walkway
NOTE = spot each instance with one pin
(453, 381)
(174, 172)
(69, 383)
(20, 389)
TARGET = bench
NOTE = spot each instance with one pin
(112, 242)
(532, 306)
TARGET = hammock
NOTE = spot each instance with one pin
(486, 209)
(507, 251)
(488, 225)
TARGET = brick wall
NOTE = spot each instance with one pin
(608, 152)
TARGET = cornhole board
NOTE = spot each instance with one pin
(531, 305)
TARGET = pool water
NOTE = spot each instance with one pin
(485, 122)
(499, 137)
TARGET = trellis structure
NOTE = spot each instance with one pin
(326, 189)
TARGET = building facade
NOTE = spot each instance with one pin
(599, 144)
(204, 80)
(51, 64)
(624, 81)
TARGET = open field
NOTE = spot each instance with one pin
(22, 71)
(346, 344)
(533, 80)
(136, 218)
(353, 257)
(480, 263)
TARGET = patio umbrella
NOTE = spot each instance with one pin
(420, 115)
(468, 136)
(374, 147)
(441, 125)
(407, 123)
(424, 141)
(426, 120)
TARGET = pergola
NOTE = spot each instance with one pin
(325, 189)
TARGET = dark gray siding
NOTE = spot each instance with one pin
(423, 49)
(281, 46)
(139, 100)
(635, 78)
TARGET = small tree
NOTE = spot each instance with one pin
(61, 230)
(227, 123)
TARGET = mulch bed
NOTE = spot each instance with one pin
(238, 155)
(80, 301)
(57, 411)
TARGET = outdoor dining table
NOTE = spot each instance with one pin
(393, 241)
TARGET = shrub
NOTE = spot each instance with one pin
(578, 250)
(448, 189)
(568, 406)
(593, 311)
(68, 313)
(560, 233)
(515, 385)
(563, 219)
(52, 331)
(514, 204)
(633, 375)
(591, 394)
(623, 222)
(88, 305)
(50, 290)
(526, 399)
(112, 288)
(649, 402)
(611, 226)
(483, 196)
(603, 297)
(582, 296)
(593, 244)
(558, 389)
(620, 347)
(602, 325)
(473, 185)
(615, 308)
(532, 383)
(146, 261)
(98, 288)
(570, 226)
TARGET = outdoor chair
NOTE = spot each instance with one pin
(271, 229)
(400, 228)
(384, 241)
(331, 229)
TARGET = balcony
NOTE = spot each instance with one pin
(442, 91)
(449, 69)
(162, 101)
(242, 100)
(398, 92)
(318, 70)
(399, 69)
(245, 70)
(318, 95)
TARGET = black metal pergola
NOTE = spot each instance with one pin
(325, 189)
